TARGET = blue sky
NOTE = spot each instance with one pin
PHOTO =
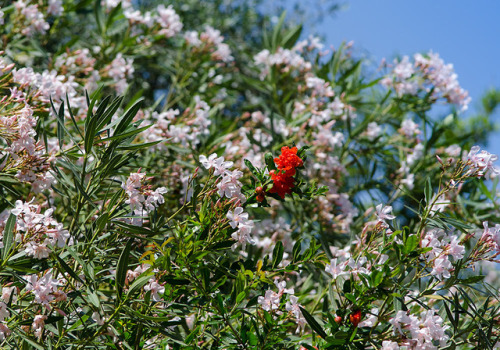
(465, 33)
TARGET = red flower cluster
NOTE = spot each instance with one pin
(283, 177)
(355, 318)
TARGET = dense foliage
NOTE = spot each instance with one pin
(189, 176)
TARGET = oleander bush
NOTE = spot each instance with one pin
(191, 175)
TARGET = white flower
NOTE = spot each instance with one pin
(237, 217)
(483, 161)
(390, 345)
(455, 249)
(442, 267)
(218, 164)
(270, 301)
(8, 293)
(384, 214)
(4, 313)
(208, 162)
(4, 331)
(42, 288)
(155, 289)
(373, 130)
(169, 20)
(37, 250)
(335, 269)
(409, 128)
(97, 318)
(404, 69)
(281, 285)
(401, 318)
(294, 307)
(242, 236)
(221, 166)
(38, 324)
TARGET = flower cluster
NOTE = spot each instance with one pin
(488, 246)
(239, 219)
(209, 40)
(228, 184)
(481, 163)
(271, 301)
(34, 19)
(442, 249)
(141, 197)
(423, 330)
(119, 70)
(428, 72)
(286, 163)
(46, 289)
(286, 60)
(48, 84)
(36, 232)
(27, 155)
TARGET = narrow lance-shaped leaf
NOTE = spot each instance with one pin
(428, 191)
(313, 323)
(121, 269)
(68, 269)
(277, 254)
(8, 235)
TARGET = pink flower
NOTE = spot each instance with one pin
(237, 217)
(442, 267)
(155, 289)
(335, 269)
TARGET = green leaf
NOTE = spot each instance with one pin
(250, 166)
(277, 254)
(60, 124)
(472, 279)
(138, 284)
(68, 269)
(8, 235)
(93, 298)
(313, 323)
(83, 192)
(133, 228)
(241, 296)
(277, 31)
(60, 121)
(139, 146)
(193, 334)
(270, 161)
(108, 114)
(291, 37)
(428, 191)
(121, 269)
(125, 121)
(90, 132)
(28, 340)
(376, 277)
(297, 249)
(98, 16)
(126, 134)
(410, 244)
(73, 117)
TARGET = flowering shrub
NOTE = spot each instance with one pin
(168, 183)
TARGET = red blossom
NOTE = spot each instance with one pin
(355, 318)
(283, 177)
(288, 160)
